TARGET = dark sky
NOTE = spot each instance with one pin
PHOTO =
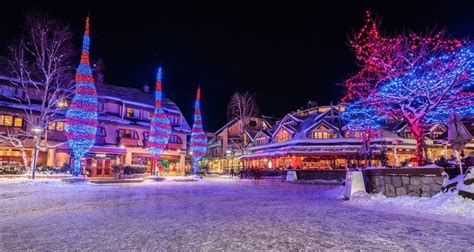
(286, 53)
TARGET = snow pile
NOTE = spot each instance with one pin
(447, 206)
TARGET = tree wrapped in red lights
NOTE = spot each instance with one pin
(81, 117)
(160, 127)
(198, 143)
(415, 77)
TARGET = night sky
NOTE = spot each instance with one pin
(286, 53)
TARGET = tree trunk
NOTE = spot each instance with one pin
(417, 131)
(33, 162)
(76, 169)
(25, 160)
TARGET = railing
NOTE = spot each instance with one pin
(170, 146)
(126, 141)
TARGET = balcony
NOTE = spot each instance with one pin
(57, 136)
(169, 146)
(100, 140)
(129, 142)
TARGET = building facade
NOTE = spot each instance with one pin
(316, 138)
(230, 142)
(124, 124)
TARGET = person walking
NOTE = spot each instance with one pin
(232, 172)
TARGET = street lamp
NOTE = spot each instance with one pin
(37, 131)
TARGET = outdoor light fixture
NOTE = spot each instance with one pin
(37, 129)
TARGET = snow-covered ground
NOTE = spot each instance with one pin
(212, 214)
(444, 206)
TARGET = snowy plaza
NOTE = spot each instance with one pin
(212, 214)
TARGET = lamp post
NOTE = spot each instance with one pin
(36, 138)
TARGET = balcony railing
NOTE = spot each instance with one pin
(127, 141)
(170, 146)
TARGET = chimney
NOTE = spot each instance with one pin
(146, 88)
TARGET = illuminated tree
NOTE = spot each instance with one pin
(81, 117)
(361, 117)
(415, 77)
(198, 143)
(160, 127)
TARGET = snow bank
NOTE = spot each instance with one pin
(447, 206)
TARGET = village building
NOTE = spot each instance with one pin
(124, 124)
(229, 143)
(316, 138)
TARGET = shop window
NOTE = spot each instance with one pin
(175, 139)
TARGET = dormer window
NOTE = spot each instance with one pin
(282, 136)
(322, 132)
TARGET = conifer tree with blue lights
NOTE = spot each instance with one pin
(198, 142)
(81, 117)
(160, 127)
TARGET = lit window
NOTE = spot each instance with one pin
(51, 126)
(322, 132)
(62, 104)
(1, 119)
(18, 122)
(8, 120)
(130, 112)
(60, 126)
(282, 136)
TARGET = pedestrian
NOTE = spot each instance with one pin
(232, 172)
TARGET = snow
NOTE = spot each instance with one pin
(210, 215)
(442, 206)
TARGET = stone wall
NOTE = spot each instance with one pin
(418, 182)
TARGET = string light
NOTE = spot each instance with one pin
(415, 77)
(160, 127)
(198, 143)
(81, 117)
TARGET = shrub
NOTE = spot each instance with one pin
(134, 169)
(116, 168)
(12, 170)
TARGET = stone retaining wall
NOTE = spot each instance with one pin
(418, 182)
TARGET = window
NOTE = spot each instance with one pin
(261, 141)
(101, 131)
(126, 133)
(18, 122)
(322, 132)
(8, 120)
(62, 104)
(282, 136)
(146, 135)
(133, 113)
(56, 126)
(174, 119)
(175, 139)
(147, 114)
(253, 123)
